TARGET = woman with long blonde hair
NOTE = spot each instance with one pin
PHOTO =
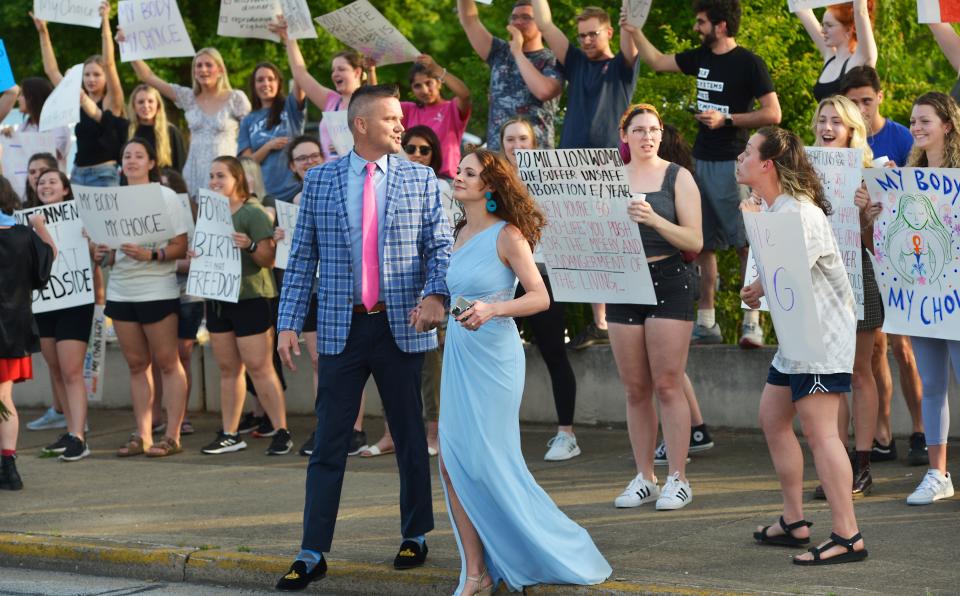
(147, 115)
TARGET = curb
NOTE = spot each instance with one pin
(145, 561)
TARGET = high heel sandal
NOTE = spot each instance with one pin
(480, 591)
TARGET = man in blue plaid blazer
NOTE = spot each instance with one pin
(354, 341)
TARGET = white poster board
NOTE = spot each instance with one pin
(798, 5)
(591, 248)
(339, 131)
(938, 11)
(116, 215)
(96, 357)
(152, 29)
(249, 18)
(186, 214)
(636, 12)
(71, 278)
(781, 257)
(215, 270)
(362, 27)
(287, 221)
(917, 247)
(69, 12)
(17, 149)
(62, 107)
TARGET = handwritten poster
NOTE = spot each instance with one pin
(115, 215)
(780, 252)
(249, 18)
(186, 213)
(592, 249)
(362, 27)
(636, 12)
(96, 357)
(152, 29)
(917, 248)
(71, 279)
(839, 171)
(6, 73)
(215, 270)
(339, 131)
(69, 12)
(17, 149)
(798, 5)
(287, 220)
(938, 11)
(62, 107)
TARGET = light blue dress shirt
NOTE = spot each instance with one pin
(358, 174)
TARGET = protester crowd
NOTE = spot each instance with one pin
(249, 146)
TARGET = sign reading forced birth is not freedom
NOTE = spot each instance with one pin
(116, 215)
(592, 249)
(917, 249)
(215, 268)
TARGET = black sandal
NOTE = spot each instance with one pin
(785, 539)
(850, 556)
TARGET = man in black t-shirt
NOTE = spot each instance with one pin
(729, 80)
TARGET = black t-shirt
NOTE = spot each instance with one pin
(598, 92)
(99, 142)
(728, 83)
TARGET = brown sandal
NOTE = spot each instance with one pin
(164, 448)
(133, 447)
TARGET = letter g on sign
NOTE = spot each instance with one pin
(785, 296)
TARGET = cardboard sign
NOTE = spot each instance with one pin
(116, 215)
(69, 12)
(592, 249)
(96, 356)
(17, 149)
(636, 12)
(62, 107)
(339, 131)
(71, 279)
(287, 220)
(781, 257)
(6, 73)
(362, 27)
(215, 271)
(917, 249)
(798, 5)
(938, 11)
(451, 207)
(249, 18)
(186, 214)
(152, 29)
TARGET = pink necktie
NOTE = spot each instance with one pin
(370, 276)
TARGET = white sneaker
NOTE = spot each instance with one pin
(639, 491)
(933, 487)
(676, 494)
(751, 336)
(50, 419)
(562, 447)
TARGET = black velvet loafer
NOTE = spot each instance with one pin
(298, 579)
(411, 555)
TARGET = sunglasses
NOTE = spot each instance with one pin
(423, 149)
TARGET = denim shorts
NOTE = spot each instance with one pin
(105, 174)
(804, 384)
(677, 285)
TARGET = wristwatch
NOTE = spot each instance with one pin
(728, 120)
(252, 248)
(154, 255)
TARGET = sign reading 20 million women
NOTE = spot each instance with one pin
(917, 244)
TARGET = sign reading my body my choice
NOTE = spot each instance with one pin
(70, 12)
(152, 29)
(116, 215)
(592, 249)
(917, 249)
(215, 270)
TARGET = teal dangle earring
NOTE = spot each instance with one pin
(491, 204)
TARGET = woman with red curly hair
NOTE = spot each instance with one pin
(845, 40)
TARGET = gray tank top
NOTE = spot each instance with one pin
(663, 205)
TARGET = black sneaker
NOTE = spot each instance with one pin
(9, 477)
(411, 555)
(76, 449)
(883, 452)
(700, 439)
(590, 336)
(248, 423)
(297, 577)
(224, 443)
(281, 443)
(358, 442)
(918, 450)
(265, 428)
(307, 448)
(57, 447)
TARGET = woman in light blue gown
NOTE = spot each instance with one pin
(507, 528)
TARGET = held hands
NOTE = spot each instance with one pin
(241, 241)
(712, 119)
(477, 315)
(287, 342)
(752, 294)
(427, 315)
(642, 213)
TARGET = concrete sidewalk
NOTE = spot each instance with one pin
(235, 519)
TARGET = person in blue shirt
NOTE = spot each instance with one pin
(886, 137)
(264, 132)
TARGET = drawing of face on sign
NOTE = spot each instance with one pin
(918, 245)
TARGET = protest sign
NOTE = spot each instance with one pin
(339, 131)
(17, 149)
(916, 242)
(592, 249)
(751, 275)
(452, 208)
(362, 27)
(636, 12)
(781, 257)
(938, 11)
(152, 29)
(62, 107)
(840, 175)
(70, 12)
(96, 356)
(215, 270)
(249, 18)
(186, 213)
(115, 215)
(6, 73)
(798, 5)
(71, 278)
(286, 220)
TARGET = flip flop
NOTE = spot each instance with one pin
(374, 451)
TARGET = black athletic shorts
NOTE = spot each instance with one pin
(247, 317)
(66, 323)
(144, 313)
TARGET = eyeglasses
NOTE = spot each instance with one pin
(521, 17)
(309, 157)
(592, 35)
(412, 149)
(647, 132)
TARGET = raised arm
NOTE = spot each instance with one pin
(113, 99)
(541, 86)
(146, 75)
(650, 55)
(460, 90)
(815, 31)
(628, 45)
(50, 66)
(8, 100)
(949, 42)
(90, 107)
(554, 37)
(311, 87)
(866, 42)
(480, 38)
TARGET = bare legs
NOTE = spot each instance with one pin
(9, 428)
(65, 363)
(469, 539)
(253, 353)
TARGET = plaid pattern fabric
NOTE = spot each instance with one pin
(416, 252)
